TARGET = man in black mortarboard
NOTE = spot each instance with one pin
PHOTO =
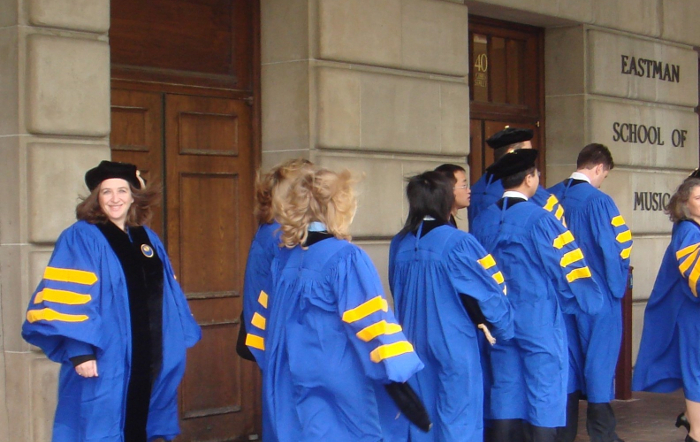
(488, 189)
(545, 274)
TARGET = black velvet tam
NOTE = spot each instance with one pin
(112, 169)
(514, 162)
(508, 136)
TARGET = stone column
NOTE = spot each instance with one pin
(54, 125)
(637, 96)
(376, 86)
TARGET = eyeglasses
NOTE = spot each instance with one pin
(464, 186)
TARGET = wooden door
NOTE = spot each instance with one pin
(506, 86)
(137, 138)
(200, 150)
(186, 106)
(209, 222)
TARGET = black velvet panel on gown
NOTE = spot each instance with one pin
(143, 270)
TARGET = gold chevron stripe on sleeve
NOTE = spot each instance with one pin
(551, 202)
(583, 272)
(70, 275)
(560, 213)
(571, 257)
(687, 250)
(47, 314)
(365, 309)
(498, 277)
(390, 350)
(624, 236)
(625, 253)
(255, 341)
(563, 239)
(61, 297)
(688, 261)
(618, 221)
(377, 329)
(487, 262)
(693, 278)
(262, 299)
(259, 321)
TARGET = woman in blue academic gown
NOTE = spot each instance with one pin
(110, 311)
(439, 275)
(331, 338)
(669, 354)
(257, 285)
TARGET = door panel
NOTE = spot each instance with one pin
(210, 186)
(137, 138)
(506, 86)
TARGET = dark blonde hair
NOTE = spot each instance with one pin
(677, 209)
(316, 195)
(140, 212)
(266, 185)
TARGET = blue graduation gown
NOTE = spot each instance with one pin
(669, 351)
(257, 286)
(81, 307)
(606, 242)
(331, 339)
(486, 191)
(426, 276)
(545, 272)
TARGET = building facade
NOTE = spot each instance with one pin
(386, 88)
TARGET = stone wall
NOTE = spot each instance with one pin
(376, 86)
(637, 96)
(54, 125)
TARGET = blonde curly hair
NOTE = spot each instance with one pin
(316, 195)
(266, 185)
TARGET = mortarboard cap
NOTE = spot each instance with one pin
(112, 169)
(508, 136)
(514, 162)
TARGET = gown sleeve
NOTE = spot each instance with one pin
(63, 317)
(564, 262)
(372, 329)
(474, 271)
(614, 239)
(686, 252)
(257, 287)
(551, 204)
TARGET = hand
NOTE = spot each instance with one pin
(87, 369)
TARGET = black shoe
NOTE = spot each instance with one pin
(689, 439)
(681, 420)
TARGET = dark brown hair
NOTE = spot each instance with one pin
(140, 212)
(594, 154)
(449, 170)
(676, 208)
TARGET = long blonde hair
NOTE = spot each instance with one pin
(316, 195)
(266, 185)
